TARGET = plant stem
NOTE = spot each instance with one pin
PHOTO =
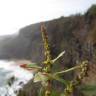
(68, 70)
(48, 60)
(60, 55)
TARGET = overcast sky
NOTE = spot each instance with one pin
(15, 14)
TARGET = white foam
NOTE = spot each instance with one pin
(21, 75)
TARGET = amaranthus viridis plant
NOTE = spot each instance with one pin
(45, 74)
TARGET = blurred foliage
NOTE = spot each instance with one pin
(89, 90)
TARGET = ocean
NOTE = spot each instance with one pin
(12, 78)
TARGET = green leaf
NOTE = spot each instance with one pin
(55, 77)
(33, 65)
(40, 77)
(41, 92)
(60, 80)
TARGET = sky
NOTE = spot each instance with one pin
(15, 14)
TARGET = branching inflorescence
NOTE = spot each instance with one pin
(45, 75)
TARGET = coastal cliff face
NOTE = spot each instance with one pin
(75, 34)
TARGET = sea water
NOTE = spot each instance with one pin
(9, 69)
